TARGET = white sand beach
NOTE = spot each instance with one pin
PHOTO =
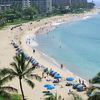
(28, 29)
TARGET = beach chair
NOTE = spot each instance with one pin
(26, 57)
(75, 85)
(80, 88)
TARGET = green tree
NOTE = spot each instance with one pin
(10, 17)
(4, 90)
(2, 19)
(51, 96)
(95, 97)
(22, 70)
(90, 5)
(96, 79)
(30, 12)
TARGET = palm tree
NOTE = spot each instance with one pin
(96, 79)
(4, 90)
(51, 96)
(95, 97)
(75, 96)
(22, 70)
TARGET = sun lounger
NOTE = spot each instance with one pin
(51, 72)
(80, 88)
(75, 85)
(55, 81)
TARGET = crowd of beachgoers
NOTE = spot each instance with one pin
(15, 39)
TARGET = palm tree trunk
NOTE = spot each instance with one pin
(21, 88)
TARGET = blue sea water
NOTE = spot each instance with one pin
(76, 45)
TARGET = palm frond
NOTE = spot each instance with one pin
(48, 94)
(8, 88)
(29, 82)
(15, 66)
(76, 96)
(19, 60)
(51, 96)
(4, 71)
(34, 76)
(59, 98)
(7, 71)
(27, 64)
(96, 79)
(28, 71)
(6, 79)
(22, 63)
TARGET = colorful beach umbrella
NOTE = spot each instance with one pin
(49, 87)
(54, 73)
(69, 78)
(57, 76)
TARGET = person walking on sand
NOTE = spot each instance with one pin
(43, 74)
(33, 50)
(83, 83)
(79, 80)
(61, 66)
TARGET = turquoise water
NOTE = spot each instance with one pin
(76, 45)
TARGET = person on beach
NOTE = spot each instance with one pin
(19, 42)
(33, 50)
(79, 80)
(83, 84)
(70, 92)
(43, 74)
(61, 66)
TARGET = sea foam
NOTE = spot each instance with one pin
(30, 40)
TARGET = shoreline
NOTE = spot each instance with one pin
(17, 34)
(53, 26)
(43, 31)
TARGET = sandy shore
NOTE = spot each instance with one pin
(27, 29)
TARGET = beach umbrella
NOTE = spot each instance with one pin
(46, 85)
(57, 76)
(46, 69)
(54, 73)
(35, 62)
(49, 87)
(69, 78)
(51, 71)
(32, 61)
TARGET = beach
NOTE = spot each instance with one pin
(20, 34)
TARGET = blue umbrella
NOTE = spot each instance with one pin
(51, 71)
(46, 85)
(54, 73)
(57, 76)
(69, 78)
(49, 87)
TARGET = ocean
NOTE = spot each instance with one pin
(76, 45)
